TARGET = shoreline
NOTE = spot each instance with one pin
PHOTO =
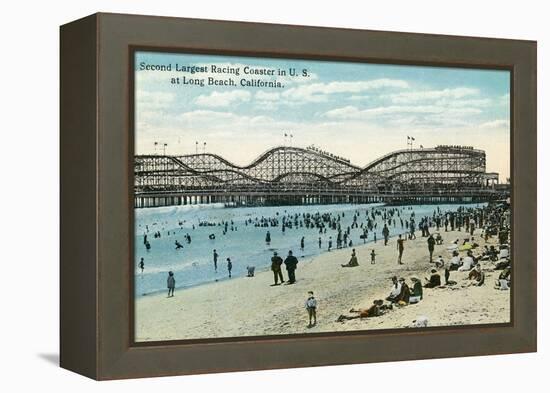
(252, 251)
(261, 269)
(243, 306)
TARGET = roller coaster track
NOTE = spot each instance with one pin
(283, 168)
(270, 152)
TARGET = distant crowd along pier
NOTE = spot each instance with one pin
(287, 175)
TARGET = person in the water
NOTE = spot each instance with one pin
(215, 256)
(141, 265)
(229, 266)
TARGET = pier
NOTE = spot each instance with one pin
(303, 176)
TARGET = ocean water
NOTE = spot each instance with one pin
(245, 244)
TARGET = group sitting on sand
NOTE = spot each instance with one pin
(400, 295)
(492, 220)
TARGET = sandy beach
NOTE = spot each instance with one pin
(245, 306)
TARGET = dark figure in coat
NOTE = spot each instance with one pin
(405, 294)
(431, 246)
(291, 262)
(434, 281)
(276, 262)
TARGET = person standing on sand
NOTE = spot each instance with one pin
(311, 307)
(386, 234)
(400, 249)
(215, 255)
(291, 263)
(431, 246)
(412, 235)
(171, 283)
(276, 263)
(426, 229)
(372, 257)
(229, 266)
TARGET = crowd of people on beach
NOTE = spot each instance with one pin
(454, 256)
(492, 221)
(360, 225)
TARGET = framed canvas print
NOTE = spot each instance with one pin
(252, 196)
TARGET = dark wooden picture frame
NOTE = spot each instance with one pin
(97, 186)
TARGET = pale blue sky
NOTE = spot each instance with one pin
(356, 110)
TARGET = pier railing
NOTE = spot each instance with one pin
(309, 196)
